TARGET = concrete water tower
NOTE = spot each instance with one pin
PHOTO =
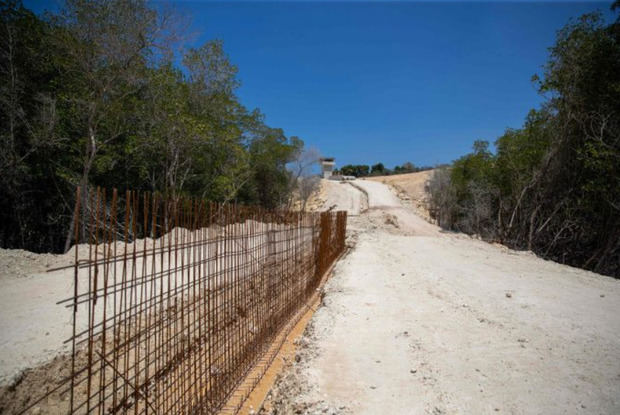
(327, 166)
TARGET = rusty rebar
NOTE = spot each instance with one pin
(179, 298)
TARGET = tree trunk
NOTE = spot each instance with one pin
(91, 150)
(531, 233)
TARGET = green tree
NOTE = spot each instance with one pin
(30, 207)
(93, 97)
(377, 169)
(270, 152)
(359, 170)
(554, 185)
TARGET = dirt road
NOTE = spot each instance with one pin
(417, 321)
(411, 189)
(341, 196)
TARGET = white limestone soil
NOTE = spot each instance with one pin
(419, 321)
(340, 196)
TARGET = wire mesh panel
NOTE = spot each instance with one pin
(176, 299)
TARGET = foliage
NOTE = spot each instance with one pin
(379, 169)
(553, 186)
(92, 96)
(358, 170)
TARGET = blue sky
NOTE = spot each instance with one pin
(389, 82)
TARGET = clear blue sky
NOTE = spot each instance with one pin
(386, 81)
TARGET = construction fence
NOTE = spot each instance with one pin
(176, 299)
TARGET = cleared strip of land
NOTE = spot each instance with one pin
(420, 322)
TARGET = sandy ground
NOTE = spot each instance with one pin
(384, 204)
(335, 195)
(410, 188)
(414, 320)
(34, 327)
(418, 321)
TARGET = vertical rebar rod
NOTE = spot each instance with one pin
(183, 297)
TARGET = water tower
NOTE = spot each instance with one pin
(327, 166)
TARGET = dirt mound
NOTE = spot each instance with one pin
(40, 390)
(17, 263)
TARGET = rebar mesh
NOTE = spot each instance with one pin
(176, 299)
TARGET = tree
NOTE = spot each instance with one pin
(442, 198)
(553, 185)
(302, 182)
(93, 96)
(270, 152)
(30, 209)
(583, 78)
(377, 169)
(359, 170)
(107, 43)
(408, 167)
(307, 186)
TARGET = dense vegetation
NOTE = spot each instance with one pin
(363, 170)
(103, 94)
(553, 185)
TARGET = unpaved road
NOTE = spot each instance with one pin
(411, 188)
(341, 196)
(32, 326)
(384, 205)
(417, 321)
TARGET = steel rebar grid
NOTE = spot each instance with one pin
(179, 298)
